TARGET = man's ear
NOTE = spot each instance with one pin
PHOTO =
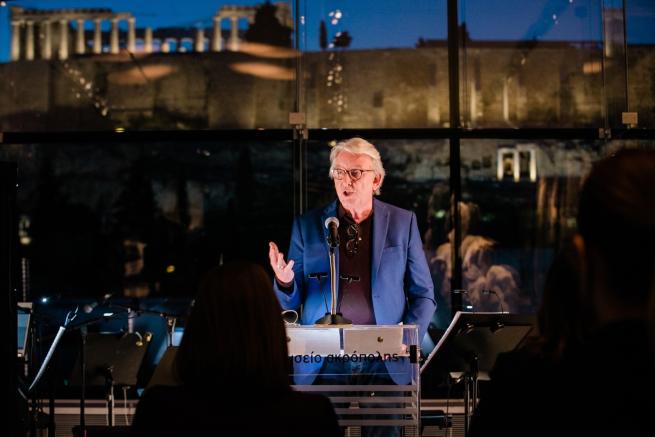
(377, 181)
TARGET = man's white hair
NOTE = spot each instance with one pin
(360, 146)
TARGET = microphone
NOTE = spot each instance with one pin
(91, 306)
(332, 225)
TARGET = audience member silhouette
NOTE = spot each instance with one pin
(591, 372)
(611, 375)
(233, 368)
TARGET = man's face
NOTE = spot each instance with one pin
(355, 195)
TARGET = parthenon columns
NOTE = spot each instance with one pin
(63, 38)
(200, 40)
(46, 45)
(234, 14)
(113, 37)
(29, 40)
(131, 35)
(79, 40)
(233, 43)
(97, 36)
(147, 40)
(217, 38)
(25, 23)
(15, 40)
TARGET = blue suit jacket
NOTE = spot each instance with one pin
(401, 285)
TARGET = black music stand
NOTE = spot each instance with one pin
(470, 347)
(112, 359)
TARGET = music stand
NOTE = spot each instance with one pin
(471, 345)
(24, 313)
(111, 359)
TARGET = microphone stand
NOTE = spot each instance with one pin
(333, 317)
(171, 319)
(83, 333)
(318, 276)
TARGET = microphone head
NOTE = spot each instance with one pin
(89, 307)
(331, 220)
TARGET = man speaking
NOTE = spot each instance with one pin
(383, 274)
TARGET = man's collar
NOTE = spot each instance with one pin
(343, 214)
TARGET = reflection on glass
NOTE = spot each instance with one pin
(550, 68)
(73, 65)
(92, 65)
(146, 220)
(520, 204)
(368, 64)
(640, 22)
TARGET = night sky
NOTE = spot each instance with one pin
(389, 23)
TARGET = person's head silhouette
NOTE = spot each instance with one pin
(235, 334)
(616, 221)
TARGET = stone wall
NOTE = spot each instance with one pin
(402, 88)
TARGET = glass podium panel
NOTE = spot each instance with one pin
(370, 373)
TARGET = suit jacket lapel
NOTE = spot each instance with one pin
(380, 227)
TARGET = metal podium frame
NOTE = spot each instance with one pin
(395, 405)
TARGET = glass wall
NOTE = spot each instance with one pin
(417, 179)
(640, 22)
(542, 67)
(145, 217)
(99, 66)
(146, 220)
(520, 200)
(380, 64)
(107, 64)
(519, 204)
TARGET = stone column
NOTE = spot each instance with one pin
(165, 46)
(15, 40)
(200, 40)
(533, 165)
(516, 164)
(473, 104)
(506, 100)
(131, 37)
(217, 38)
(46, 46)
(63, 38)
(147, 40)
(29, 40)
(80, 43)
(113, 40)
(97, 36)
(233, 43)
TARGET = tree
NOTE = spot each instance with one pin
(323, 36)
(342, 40)
(267, 29)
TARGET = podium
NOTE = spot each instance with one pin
(388, 355)
(468, 350)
